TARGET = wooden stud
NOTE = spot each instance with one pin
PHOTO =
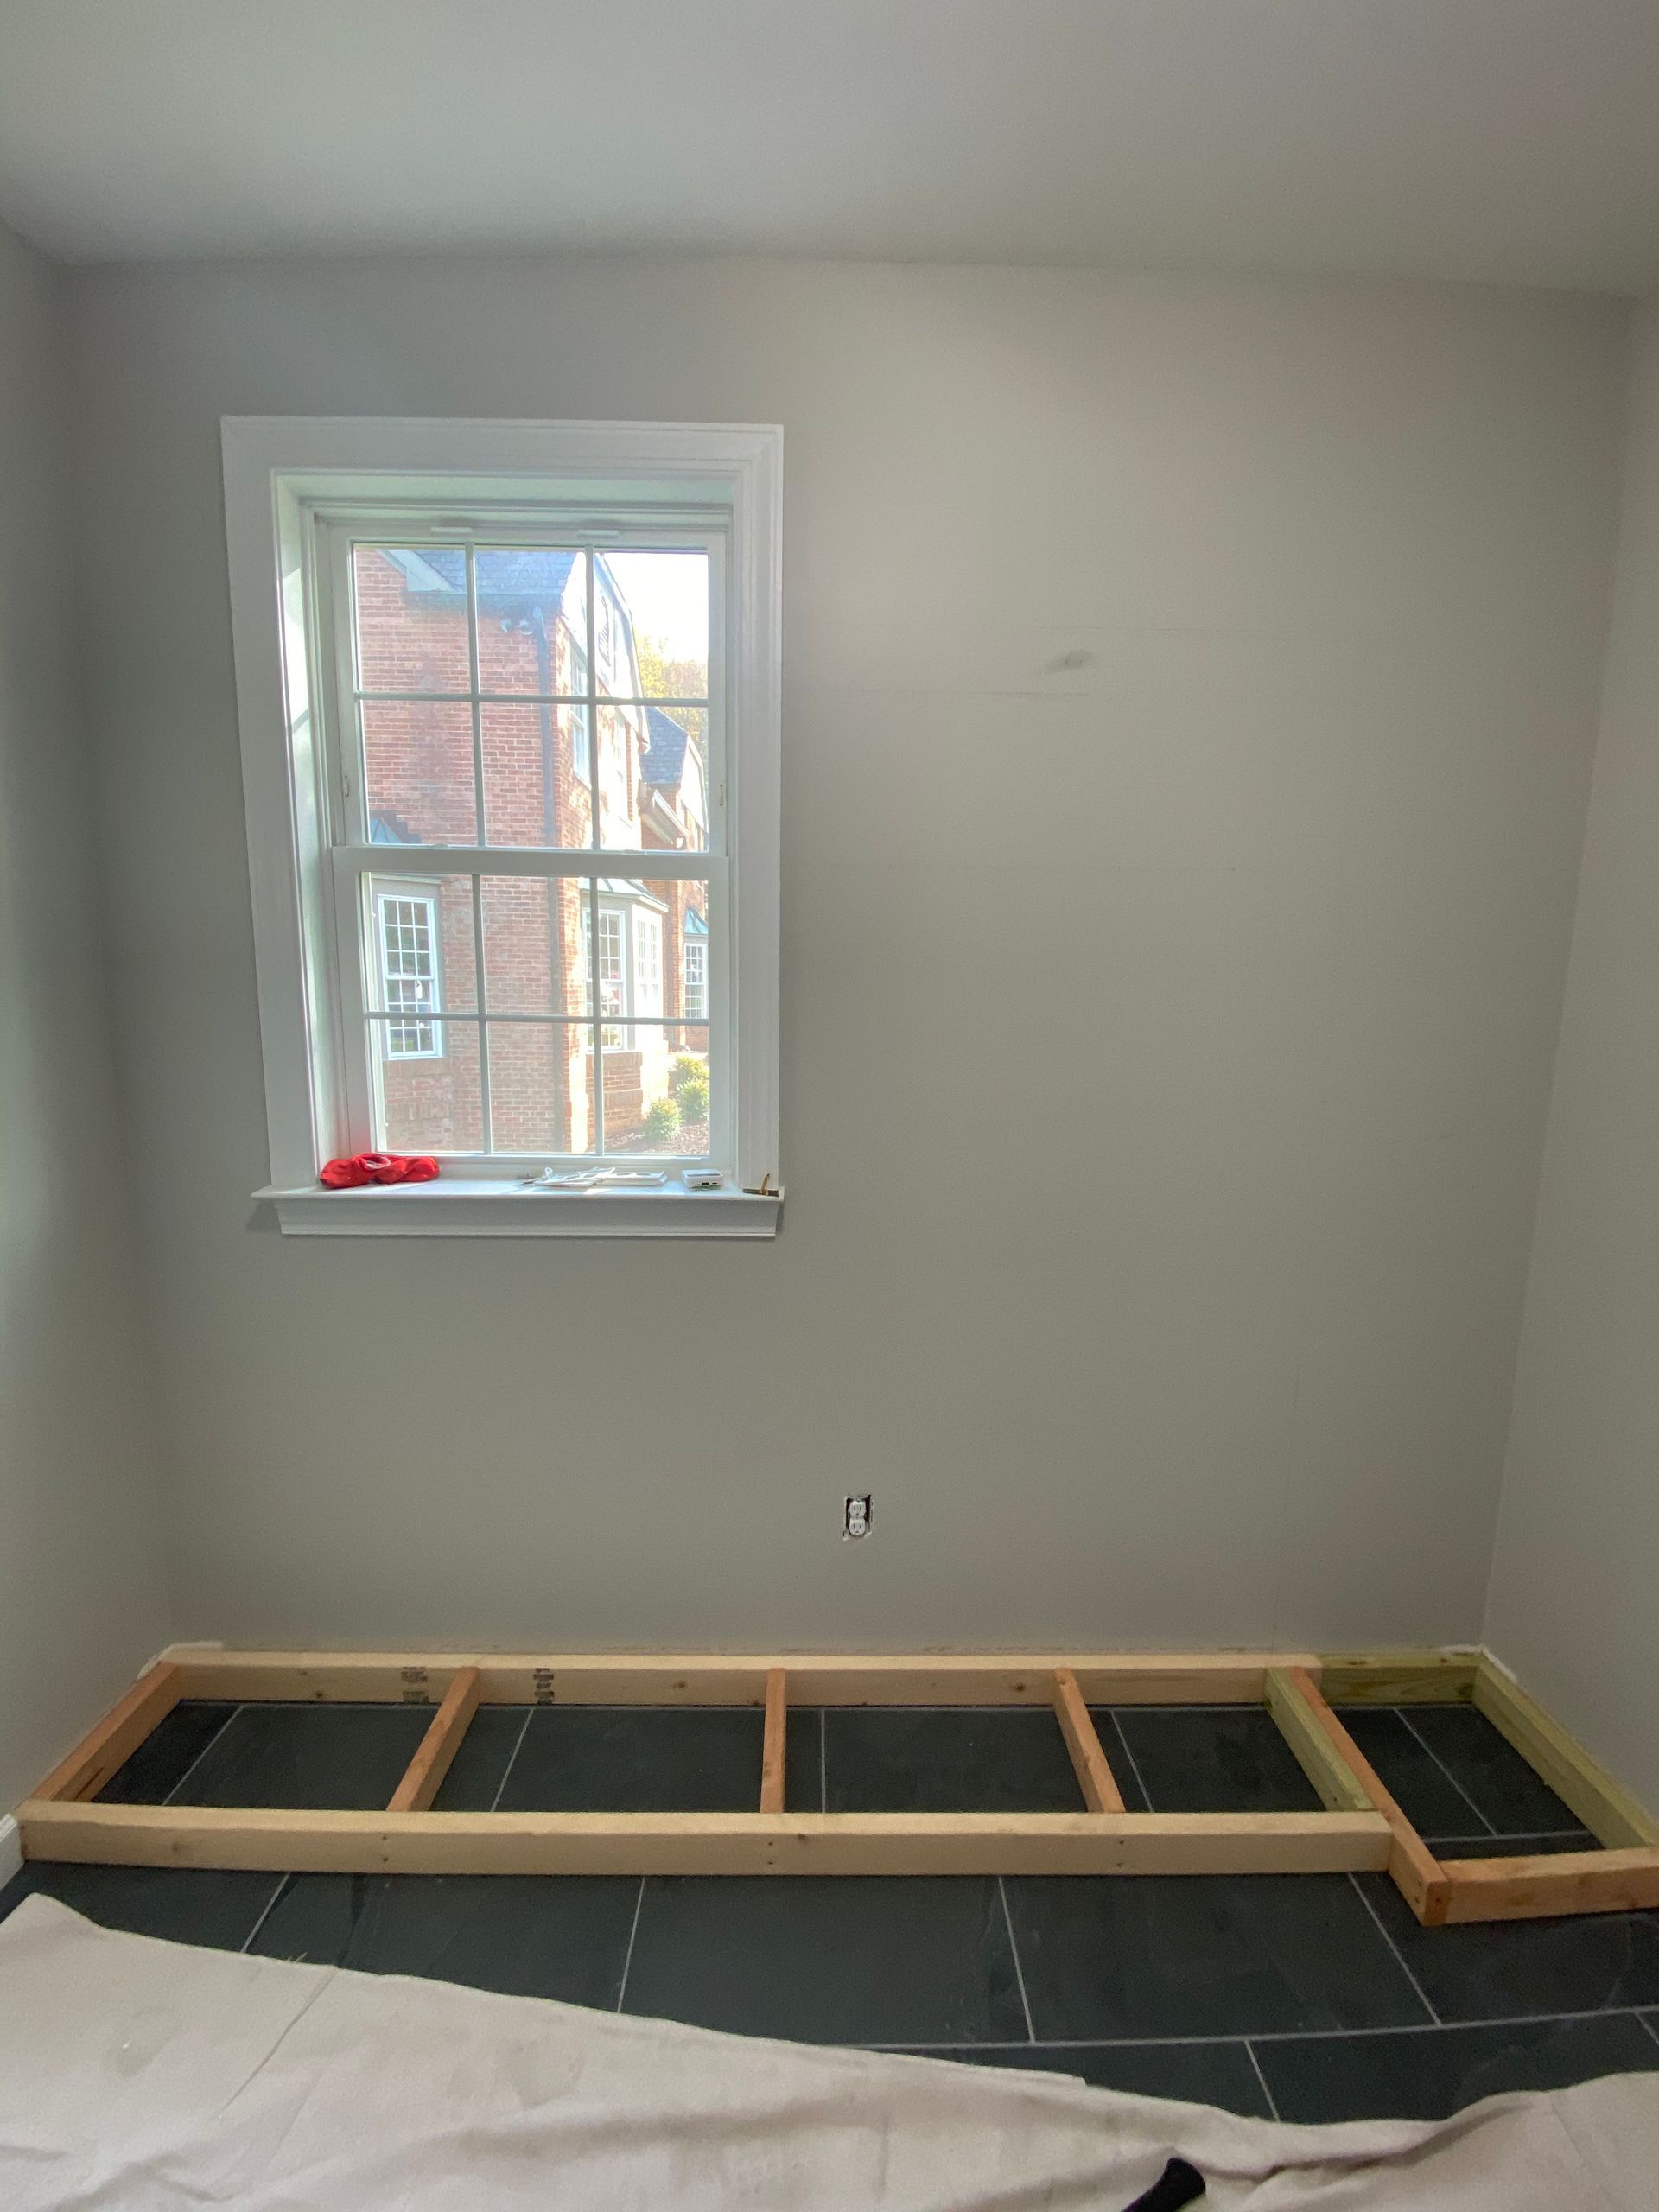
(706, 1843)
(1533, 1889)
(633, 1678)
(773, 1744)
(1094, 1777)
(1417, 1874)
(1395, 1677)
(424, 1774)
(1610, 1813)
(99, 1754)
(1291, 1701)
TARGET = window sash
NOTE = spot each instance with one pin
(612, 1026)
(348, 812)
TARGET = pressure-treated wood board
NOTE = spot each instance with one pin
(1395, 1677)
(710, 1843)
(1610, 1812)
(1533, 1889)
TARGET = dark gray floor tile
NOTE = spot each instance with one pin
(1005, 1759)
(1204, 1955)
(1194, 2073)
(1512, 1969)
(859, 1959)
(1430, 2073)
(638, 1758)
(181, 1904)
(1426, 1794)
(1118, 1758)
(344, 1757)
(1214, 1759)
(1490, 1770)
(1509, 1846)
(166, 1755)
(803, 1759)
(479, 1767)
(525, 1934)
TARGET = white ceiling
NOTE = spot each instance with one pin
(1509, 141)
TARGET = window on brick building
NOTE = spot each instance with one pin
(553, 698)
(408, 939)
(696, 979)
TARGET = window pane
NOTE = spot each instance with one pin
(657, 1090)
(673, 802)
(431, 1104)
(536, 771)
(533, 619)
(410, 605)
(644, 927)
(417, 768)
(541, 1078)
(420, 932)
(536, 944)
(659, 624)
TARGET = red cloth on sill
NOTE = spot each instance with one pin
(378, 1167)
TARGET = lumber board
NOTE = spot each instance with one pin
(1612, 1815)
(1396, 1677)
(1094, 1777)
(718, 1678)
(423, 1776)
(775, 1742)
(1289, 1701)
(103, 1750)
(1418, 1875)
(1537, 1888)
(281, 1840)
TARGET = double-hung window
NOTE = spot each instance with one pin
(509, 708)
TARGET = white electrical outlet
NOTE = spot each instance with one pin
(858, 1517)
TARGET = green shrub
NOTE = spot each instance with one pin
(694, 1098)
(683, 1068)
(661, 1124)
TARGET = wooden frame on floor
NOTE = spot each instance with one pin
(1621, 1876)
(1360, 1828)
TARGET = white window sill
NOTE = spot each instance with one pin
(451, 1207)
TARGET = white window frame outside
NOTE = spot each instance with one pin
(284, 478)
(699, 946)
(414, 1017)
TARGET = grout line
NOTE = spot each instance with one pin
(1486, 1824)
(1273, 2105)
(1520, 1836)
(1117, 1730)
(1399, 1958)
(823, 1759)
(495, 1802)
(1651, 2023)
(1279, 2034)
(1019, 1971)
(627, 1956)
(201, 1755)
(282, 1881)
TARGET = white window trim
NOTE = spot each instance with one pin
(275, 468)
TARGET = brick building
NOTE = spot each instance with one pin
(544, 756)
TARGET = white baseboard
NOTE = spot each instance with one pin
(11, 1849)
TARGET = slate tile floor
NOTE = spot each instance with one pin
(1315, 1997)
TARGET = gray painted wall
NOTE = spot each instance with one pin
(1167, 1035)
(80, 1587)
(1573, 1607)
